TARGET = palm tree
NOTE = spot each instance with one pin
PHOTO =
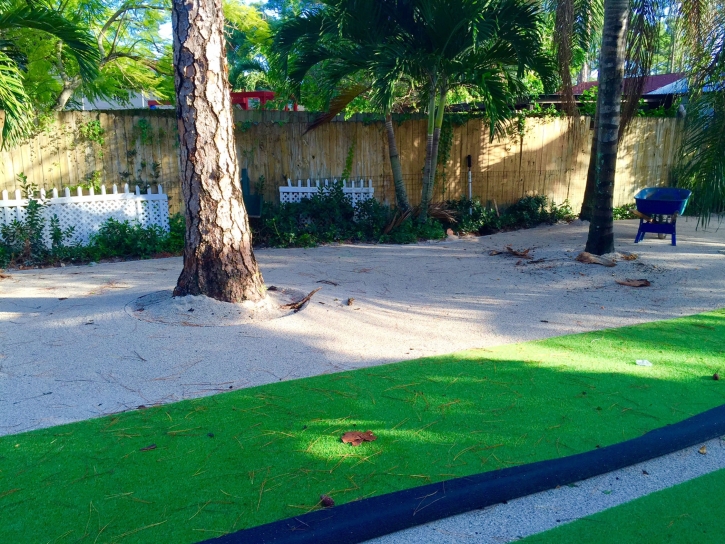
(639, 32)
(348, 46)
(485, 45)
(435, 45)
(611, 76)
(14, 101)
(701, 166)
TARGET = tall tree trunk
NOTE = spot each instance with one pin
(401, 194)
(218, 257)
(424, 199)
(611, 74)
(584, 73)
(588, 203)
(438, 125)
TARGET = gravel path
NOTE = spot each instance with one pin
(70, 349)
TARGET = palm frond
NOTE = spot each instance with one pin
(642, 44)
(78, 41)
(337, 105)
(14, 102)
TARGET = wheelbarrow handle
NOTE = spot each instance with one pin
(642, 216)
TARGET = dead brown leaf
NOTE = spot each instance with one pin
(634, 283)
(629, 256)
(494, 252)
(358, 437)
(524, 253)
(702, 450)
(350, 301)
(588, 258)
(3, 276)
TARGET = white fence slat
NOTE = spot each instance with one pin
(86, 213)
(292, 193)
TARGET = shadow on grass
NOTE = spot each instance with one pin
(196, 469)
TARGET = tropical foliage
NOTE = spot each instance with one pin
(18, 21)
(702, 164)
(416, 50)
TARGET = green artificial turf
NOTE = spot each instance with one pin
(690, 512)
(252, 456)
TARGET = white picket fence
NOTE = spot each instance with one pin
(86, 213)
(357, 190)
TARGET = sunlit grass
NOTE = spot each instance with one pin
(192, 470)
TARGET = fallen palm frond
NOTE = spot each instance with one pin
(297, 306)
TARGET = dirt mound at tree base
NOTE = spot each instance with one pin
(202, 311)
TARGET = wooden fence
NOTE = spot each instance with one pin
(140, 147)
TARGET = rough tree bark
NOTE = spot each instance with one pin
(218, 257)
(401, 194)
(611, 74)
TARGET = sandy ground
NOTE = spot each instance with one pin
(74, 345)
(72, 348)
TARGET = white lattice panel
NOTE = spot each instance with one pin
(357, 190)
(86, 213)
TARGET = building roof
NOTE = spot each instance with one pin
(652, 83)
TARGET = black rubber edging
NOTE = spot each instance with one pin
(365, 519)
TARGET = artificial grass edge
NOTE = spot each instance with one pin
(275, 452)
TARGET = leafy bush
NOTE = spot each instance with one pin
(329, 216)
(624, 212)
(473, 217)
(33, 243)
(24, 242)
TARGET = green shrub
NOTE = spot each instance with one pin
(624, 212)
(24, 242)
(329, 216)
(473, 217)
(124, 239)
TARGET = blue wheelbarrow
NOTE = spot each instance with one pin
(658, 208)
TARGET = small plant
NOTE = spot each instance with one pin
(530, 211)
(155, 170)
(23, 242)
(91, 181)
(347, 171)
(259, 186)
(93, 132)
(624, 212)
(143, 131)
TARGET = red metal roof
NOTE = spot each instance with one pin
(652, 83)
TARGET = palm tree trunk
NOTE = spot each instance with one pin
(440, 110)
(590, 190)
(424, 198)
(611, 74)
(218, 257)
(401, 195)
